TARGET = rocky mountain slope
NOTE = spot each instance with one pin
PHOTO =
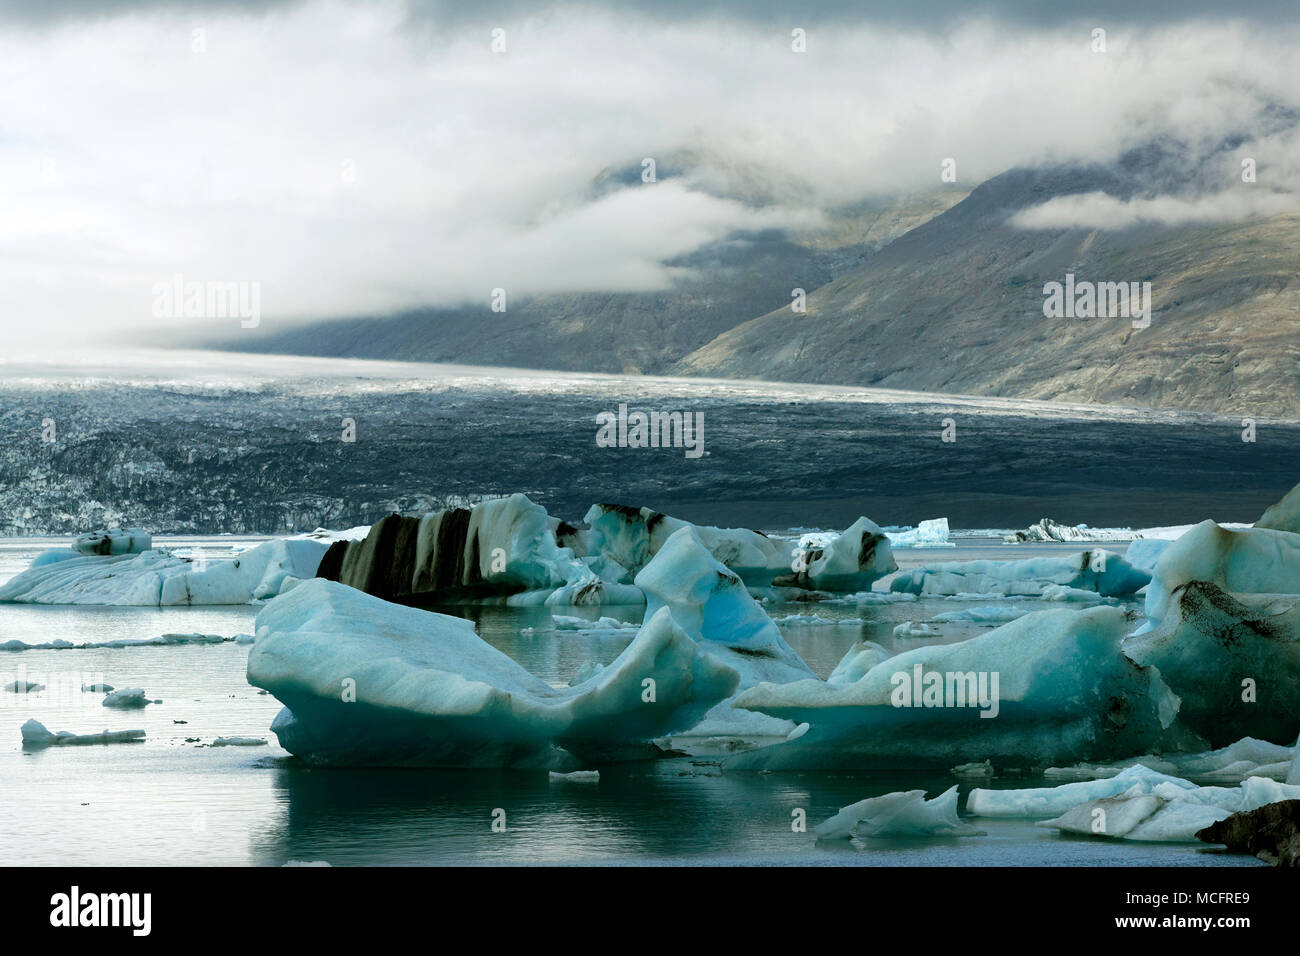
(956, 305)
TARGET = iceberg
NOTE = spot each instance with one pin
(1145, 552)
(366, 682)
(1138, 804)
(630, 537)
(114, 541)
(1234, 763)
(1050, 687)
(159, 578)
(1233, 659)
(1283, 515)
(36, 735)
(931, 533)
(850, 561)
(898, 814)
(1137, 816)
(500, 546)
(1048, 530)
(1247, 561)
(127, 698)
(1101, 572)
(857, 660)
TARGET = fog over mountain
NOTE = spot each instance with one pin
(645, 186)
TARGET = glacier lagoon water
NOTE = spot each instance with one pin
(170, 800)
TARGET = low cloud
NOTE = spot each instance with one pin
(361, 159)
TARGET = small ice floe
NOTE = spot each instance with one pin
(898, 814)
(163, 640)
(857, 660)
(931, 533)
(973, 770)
(35, 734)
(17, 645)
(1137, 804)
(239, 742)
(129, 697)
(244, 639)
(577, 776)
(565, 622)
(998, 614)
(912, 629)
(816, 620)
(586, 671)
(870, 598)
(97, 688)
(306, 863)
(23, 687)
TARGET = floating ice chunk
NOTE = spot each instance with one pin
(244, 638)
(851, 561)
(1235, 763)
(1054, 801)
(499, 546)
(576, 776)
(816, 620)
(1055, 683)
(1233, 659)
(982, 615)
(1145, 552)
(368, 682)
(898, 814)
(855, 663)
(980, 770)
(130, 697)
(160, 578)
(115, 541)
(97, 688)
(1101, 572)
(586, 671)
(35, 734)
(1249, 561)
(1062, 593)
(1048, 530)
(932, 533)
(1142, 817)
(239, 742)
(565, 622)
(631, 537)
(1284, 515)
(912, 629)
(711, 603)
(23, 687)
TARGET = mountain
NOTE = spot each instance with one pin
(957, 305)
(724, 284)
(938, 292)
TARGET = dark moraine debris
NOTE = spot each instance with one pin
(332, 563)
(424, 560)
(1271, 833)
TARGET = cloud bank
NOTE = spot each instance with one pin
(361, 159)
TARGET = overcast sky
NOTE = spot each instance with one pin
(364, 158)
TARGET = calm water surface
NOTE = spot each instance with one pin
(174, 799)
